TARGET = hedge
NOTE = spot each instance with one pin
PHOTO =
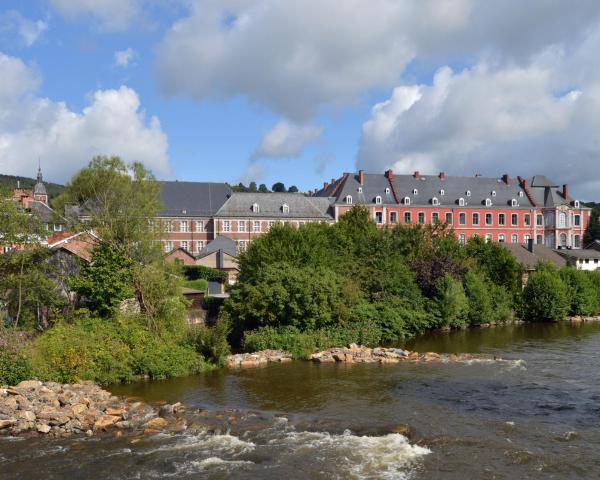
(195, 272)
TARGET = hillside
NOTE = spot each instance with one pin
(10, 181)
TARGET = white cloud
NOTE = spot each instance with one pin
(295, 57)
(124, 57)
(33, 127)
(110, 14)
(29, 31)
(286, 139)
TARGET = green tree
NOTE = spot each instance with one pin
(451, 303)
(293, 189)
(279, 187)
(479, 298)
(252, 187)
(593, 230)
(580, 290)
(263, 188)
(545, 297)
(500, 266)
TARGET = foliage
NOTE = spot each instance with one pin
(211, 342)
(583, 296)
(194, 272)
(198, 284)
(498, 264)
(593, 230)
(10, 181)
(545, 297)
(279, 187)
(451, 306)
(14, 367)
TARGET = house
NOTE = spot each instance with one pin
(584, 259)
(531, 255)
(499, 209)
(221, 254)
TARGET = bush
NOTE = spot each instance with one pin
(195, 272)
(451, 305)
(14, 367)
(479, 299)
(198, 284)
(545, 297)
(581, 291)
(211, 342)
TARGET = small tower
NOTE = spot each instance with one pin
(39, 190)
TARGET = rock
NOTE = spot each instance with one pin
(119, 412)
(27, 415)
(180, 426)
(78, 408)
(7, 423)
(348, 358)
(249, 363)
(402, 430)
(42, 428)
(156, 423)
(29, 384)
(89, 433)
(106, 421)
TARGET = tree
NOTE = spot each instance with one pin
(279, 187)
(252, 187)
(263, 188)
(500, 266)
(480, 300)
(593, 230)
(293, 189)
(451, 303)
(545, 297)
(580, 290)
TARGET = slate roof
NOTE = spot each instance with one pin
(42, 211)
(531, 260)
(447, 190)
(193, 199)
(547, 194)
(220, 243)
(579, 253)
(271, 206)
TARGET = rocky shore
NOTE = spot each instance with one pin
(48, 408)
(353, 354)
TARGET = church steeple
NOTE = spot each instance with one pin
(39, 190)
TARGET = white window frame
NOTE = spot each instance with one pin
(406, 201)
(241, 226)
(285, 208)
(348, 199)
(199, 226)
(435, 202)
(488, 202)
(184, 244)
(183, 226)
(256, 226)
(461, 202)
(255, 208)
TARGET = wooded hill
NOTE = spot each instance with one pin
(10, 181)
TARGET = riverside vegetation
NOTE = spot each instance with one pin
(300, 289)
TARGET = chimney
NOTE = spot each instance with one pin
(524, 183)
(361, 177)
(389, 175)
(530, 245)
(506, 179)
(565, 191)
(18, 183)
(325, 185)
(442, 176)
(417, 174)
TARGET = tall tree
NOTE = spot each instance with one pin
(263, 188)
(293, 189)
(279, 187)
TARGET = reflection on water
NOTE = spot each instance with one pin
(535, 418)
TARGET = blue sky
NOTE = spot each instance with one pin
(274, 91)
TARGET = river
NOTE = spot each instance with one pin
(535, 417)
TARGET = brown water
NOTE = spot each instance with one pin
(535, 417)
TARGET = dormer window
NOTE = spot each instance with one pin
(387, 191)
(435, 201)
(349, 199)
(488, 202)
(415, 192)
(378, 200)
(255, 208)
(520, 194)
(359, 189)
(285, 208)
(406, 201)
(493, 193)
(461, 202)
(576, 203)
(513, 202)
(442, 193)
(468, 193)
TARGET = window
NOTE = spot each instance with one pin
(501, 219)
(435, 217)
(255, 208)
(563, 240)
(514, 219)
(577, 220)
(527, 219)
(461, 202)
(183, 226)
(493, 193)
(285, 208)
(449, 218)
(442, 192)
(488, 202)
(576, 203)
(501, 238)
(387, 191)
(271, 224)
(378, 200)
(256, 226)
(407, 217)
(562, 220)
(241, 226)
(378, 217)
(539, 239)
(393, 217)
(526, 239)
(200, 244)
(462, 239)
(406, 201)
(242, 245)
(168, 246)
(435, 201)
(539, 220)
(488, 219)
(199, 226)
(514, 238)
(348, 199)
(468, 193)
(359, 189)
(168, 227)
(475, 219)
(415, 191)
(184, 245)
(301, 223)
(421, 217)
(462, 218)
(57, 227)
(513, 202)
(488, 237)
(226, 226)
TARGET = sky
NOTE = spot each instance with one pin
(300, 92)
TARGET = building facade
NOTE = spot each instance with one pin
(498, 209)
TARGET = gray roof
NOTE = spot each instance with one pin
(531, 260)
(39, 189)
(542, 181)
(594, 245)
(193, 199)
(579, 253)
(270, 205)
(220, 243)
(548, 195)
(43, 212)
(446, 189)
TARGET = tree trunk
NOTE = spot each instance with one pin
(20, 289)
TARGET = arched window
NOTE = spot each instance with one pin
(442, 193)
(488, 202)
(435, 201)
(387, 191)
(562, 220)
(513, 202)
(461, 202)
(576, 203)
(576, 241)
(520, 194)
(378, 200)
(285, 208)
(406, 201)
(415, 191)
(468, 193)
(349, 199)
(493, 193)
(563, 239)
(255, 208)
(359, 189)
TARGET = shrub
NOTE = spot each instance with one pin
(14, 367)
(198, 284)
(451, 305)
(581, 291)
(195, 272)
(479, 299)
(545, 297)
(211, 342)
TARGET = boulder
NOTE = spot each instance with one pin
(42, 428)
(29, 384)
(7, 423)
(106, 421)
(156, 423)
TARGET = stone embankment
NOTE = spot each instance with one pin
(48, 408)
(353, 354)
